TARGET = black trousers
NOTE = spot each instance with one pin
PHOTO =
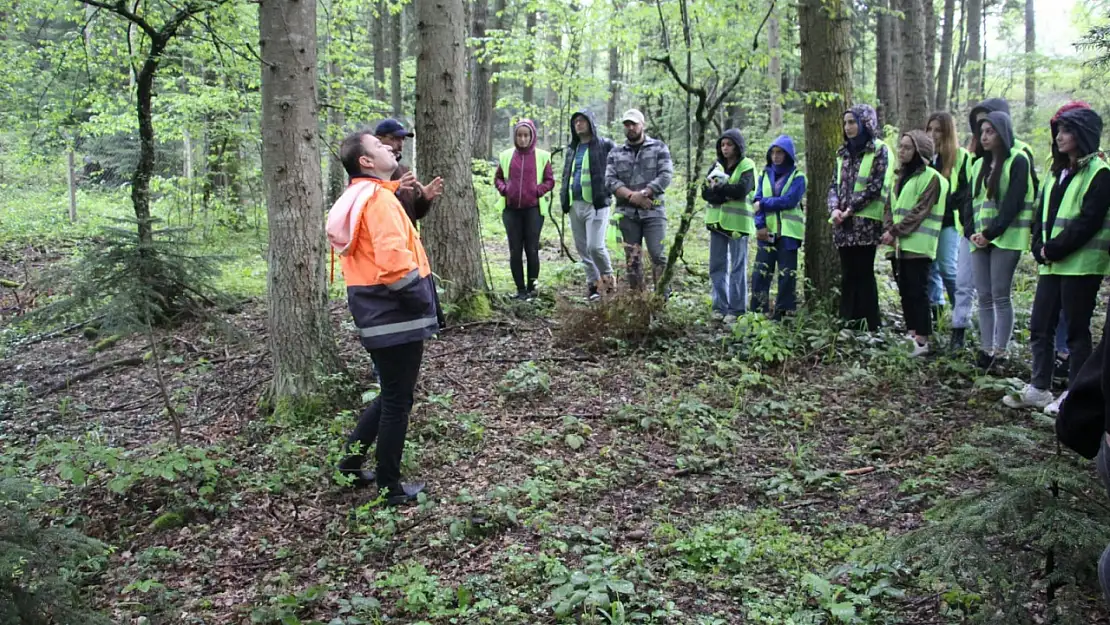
(859, 294)
(1076, 296)
(523, 226)
(912, 276)
(386, 419)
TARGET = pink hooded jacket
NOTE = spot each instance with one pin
(519, 188)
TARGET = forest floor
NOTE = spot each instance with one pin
(695, 476)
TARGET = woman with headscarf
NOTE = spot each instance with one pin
(1070, 243)
(855, 203)
(912, 217)
(1002, 207)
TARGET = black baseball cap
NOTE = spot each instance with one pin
(392, 128)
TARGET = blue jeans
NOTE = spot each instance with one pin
(728, 268)
(763, 271)
(942, 271)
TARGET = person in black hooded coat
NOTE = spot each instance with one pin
(585, 198)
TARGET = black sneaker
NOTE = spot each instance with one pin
(521, 295)
(401, 494)
(983, 360)
(958, 340)
(592, 293)
(1061, 367)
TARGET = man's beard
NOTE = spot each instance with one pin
(635, 138)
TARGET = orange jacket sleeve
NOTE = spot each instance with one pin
(388, 229)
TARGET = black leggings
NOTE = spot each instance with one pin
(912, 275)
(523, 225)
(859, 294)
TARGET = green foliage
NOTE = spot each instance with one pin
(525, 380)
(133, 285)
(1039, 517)
(42, 567)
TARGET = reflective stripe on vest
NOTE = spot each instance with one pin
(543, 157)
(923, 240)
(734, 216)
(1017, 235)
(790, 222)
(874, 210)
(1091, 259)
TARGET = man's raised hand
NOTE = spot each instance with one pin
(433, 189)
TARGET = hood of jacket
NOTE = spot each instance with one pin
(737, 139)
(786, 144)
(531, 126)
(1004, 126)
(1085, 124)
(590, 119)
(990, 105)
(923, 143)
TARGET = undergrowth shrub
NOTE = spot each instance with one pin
(42, 567)
(627, 317)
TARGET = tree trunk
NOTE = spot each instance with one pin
(397, 45)
(530, 68)
(500, 23)
(826, 68)
(774, 72)
(961, 60)
(554, 55)
(337, 176)
(442, 121)
(915, 92)
(614, 85)
(300, 333)
(897, 60)
(482, 97)
(885, 88)
(941, 99)
(72, 180)
(974, 49)
(529, 61)
(930, 51)
(1030, 65)
(377, 40)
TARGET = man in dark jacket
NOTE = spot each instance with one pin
(586, 200)
(418, 200)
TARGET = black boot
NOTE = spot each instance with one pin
(983, 360)
(399, 494)
(958, 341)
(351, 466)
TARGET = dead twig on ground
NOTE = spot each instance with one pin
(55, 333)
(131, 361)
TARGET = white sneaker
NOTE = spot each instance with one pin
(1030, 397)
(919, 349)
(1053, 409)
(730, 319)
(718, 316)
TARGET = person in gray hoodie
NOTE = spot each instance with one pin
(585, 198)
(638, 174)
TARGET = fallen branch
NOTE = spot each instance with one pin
(704, 468)
(10, 284)
(537, 359)
(66, 330)
(859, 471)
(125, 405)
(131, 361)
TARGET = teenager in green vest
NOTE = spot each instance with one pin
(586, 200)
(728, 189)
(1070, 243)
(950, 272)
(855, 203)
(912, 220)
(780, 227)
(525, 180)
(1002, 210)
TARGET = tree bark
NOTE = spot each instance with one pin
(614, 84)
(930, 51)
(482, 85)
(71, 169)
(554, 54)
(337, 176)
(941, 99)
(974, 49)
(1030, 65)
(885, 85)
(442, 121)
(774, 71)
(915, 90)
(300, 337)
(500, 23)
(528, 97)
(961, 60)
(897, 60)
(826, 68)
(397, 46)
(377, 42)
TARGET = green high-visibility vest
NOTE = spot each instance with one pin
(786, 223)
(1017, 236)
(964, 160)
(543, 157)
(873, 210)
(585, 180)
(734, 216)
(1091, 259)
(923, 240)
